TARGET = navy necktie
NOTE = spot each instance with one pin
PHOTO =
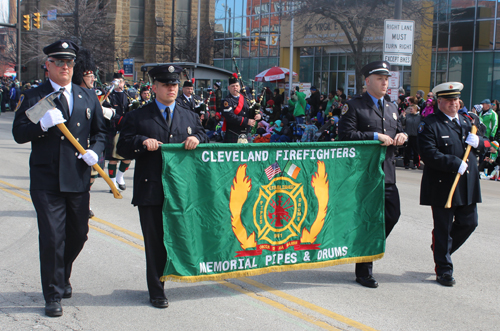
(381, 106)
(168, 118)
(64, 102)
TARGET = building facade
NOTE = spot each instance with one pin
(147, 31)
(461, 47)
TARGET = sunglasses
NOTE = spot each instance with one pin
(61, 63)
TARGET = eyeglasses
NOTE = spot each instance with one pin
(429, 95)
(61, 63)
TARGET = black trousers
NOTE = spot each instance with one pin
(63, 227)
(411, 151)
(392, 213)
(156, 254)
(448, 234)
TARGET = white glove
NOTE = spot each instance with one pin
(90, 157)
(51, 118)
(108, 112)
(473, 140)
(462, 168)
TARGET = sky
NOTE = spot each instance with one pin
(4, 11)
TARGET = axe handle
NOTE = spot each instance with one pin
(457, 177)
(82, 151)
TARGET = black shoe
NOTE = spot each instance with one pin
(407, 167)
(91, 213)
(368, 281)
(159, 303)
(122, 187)
(53, 309)
(68, 292)
(446, 280)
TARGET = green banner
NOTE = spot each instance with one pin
(235, 210)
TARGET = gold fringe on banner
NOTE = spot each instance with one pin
(266, 270)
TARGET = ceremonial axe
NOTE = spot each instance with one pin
(36, 112)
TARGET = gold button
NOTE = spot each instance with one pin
(77, 139)
(76, 153)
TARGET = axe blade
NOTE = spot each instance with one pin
(36, 112)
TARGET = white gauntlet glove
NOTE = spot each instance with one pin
(462, 168)
(108, 112)
(90, 157)
(473, 140)
(51, 118)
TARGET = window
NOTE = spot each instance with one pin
(484, 34)
(460, 70)
(462, 10)
(136, 29)
(443, 37)
(485, 9)
(483, 77)
(182, 24)
(220, 9)
(461, 36)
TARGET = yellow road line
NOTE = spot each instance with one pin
(306, 304)
(16, 194)
(264, 287)
(128, 242)
(278, 305)
(118, 228)
(15, 187)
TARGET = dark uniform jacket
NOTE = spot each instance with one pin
(118, 101)
(218, 100)
(235, 124)
(361, 118)
(190, 104)
(148, 122)
(441, 145)
(53, 162)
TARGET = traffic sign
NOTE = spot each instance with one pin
(52, 15)
(128, 67)
(398, 59)
(398, 36)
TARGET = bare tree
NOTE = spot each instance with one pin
(358, 23)
(8, 48)
(185, 46)
(92, 31)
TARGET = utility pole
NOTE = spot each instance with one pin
(398, 10)
(19, 26)
(172, 34)
(290, 73)
(198, 34)
(77, 23)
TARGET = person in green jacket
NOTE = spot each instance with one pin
(489, 119)
(297, 104)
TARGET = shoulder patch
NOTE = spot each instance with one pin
(226, 104)
(345, 109)
(421, 127)
(21, 99)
